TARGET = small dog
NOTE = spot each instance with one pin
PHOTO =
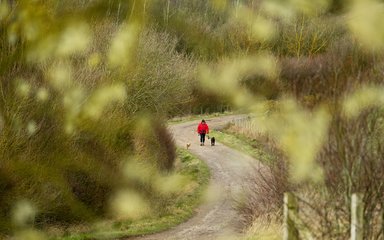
(188, 145)
(213, 141)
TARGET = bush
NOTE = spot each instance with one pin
(306, 36)
(266, 184)
(68, 122)
(163, 79)
(154, 144)
(325, 77)
(264, 191)
(353, 161)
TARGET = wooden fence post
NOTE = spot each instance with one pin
(290, 232)
(357, 217)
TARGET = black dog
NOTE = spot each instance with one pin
(213, 141)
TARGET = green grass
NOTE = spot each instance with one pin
(241, 143)
(181, 209)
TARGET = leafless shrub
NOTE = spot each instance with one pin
(352, 160)
(264, 189)
(327, 76)
(163, 79)
(265, 185)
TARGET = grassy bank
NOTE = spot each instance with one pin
(180, 208)
(238, 141)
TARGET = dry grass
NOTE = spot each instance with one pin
(264, 228)
(264, 192)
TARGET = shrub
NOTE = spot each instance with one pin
(264, 190)
(327, 76)
(163, 79)
(68, 120)
(266, 184)
(154, 144)
(352, 161)
(306, 36)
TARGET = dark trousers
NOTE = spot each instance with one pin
(202, 137)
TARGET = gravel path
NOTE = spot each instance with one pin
(216, 218)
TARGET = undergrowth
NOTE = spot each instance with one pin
(180, 208)
(266, 183)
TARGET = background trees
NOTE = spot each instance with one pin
(83, 84)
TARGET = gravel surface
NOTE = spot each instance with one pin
(216, 217)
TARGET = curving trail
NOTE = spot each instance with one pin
(216, 218)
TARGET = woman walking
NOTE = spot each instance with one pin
(202, 129)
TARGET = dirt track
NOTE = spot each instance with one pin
(215, 219)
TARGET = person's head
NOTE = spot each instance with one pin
(203, 121)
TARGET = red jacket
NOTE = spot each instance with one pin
(202, 128)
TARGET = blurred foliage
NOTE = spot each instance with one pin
(86, 86)
(313, 61)
(77, 84)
